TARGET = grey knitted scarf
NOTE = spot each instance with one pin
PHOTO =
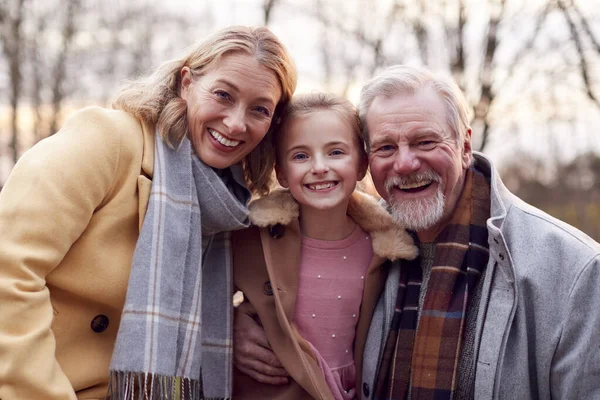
(175, 336)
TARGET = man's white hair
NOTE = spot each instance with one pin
(402, 79)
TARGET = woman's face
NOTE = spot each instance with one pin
(229, 108)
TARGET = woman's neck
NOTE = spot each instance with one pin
(326, 224)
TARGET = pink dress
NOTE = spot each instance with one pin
(330, 290)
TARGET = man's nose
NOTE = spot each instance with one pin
(235, 120)
(406, 161)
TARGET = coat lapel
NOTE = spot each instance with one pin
(144, 181)
(282, 258)
(374, 282)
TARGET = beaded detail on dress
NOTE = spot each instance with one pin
(332, 276)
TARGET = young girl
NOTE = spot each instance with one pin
(310, 266)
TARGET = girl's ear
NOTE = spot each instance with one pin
(281, 177)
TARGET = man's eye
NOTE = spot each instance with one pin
(385, 148)
(426, 144)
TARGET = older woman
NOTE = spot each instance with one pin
(113, 242)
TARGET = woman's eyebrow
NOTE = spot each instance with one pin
(237, 89)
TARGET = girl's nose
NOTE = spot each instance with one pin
(319, 165)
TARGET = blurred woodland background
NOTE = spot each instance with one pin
(530, 69)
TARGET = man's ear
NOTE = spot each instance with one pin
(467, 150)
(186, 81)
(280, 177)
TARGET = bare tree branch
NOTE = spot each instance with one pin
(586, 27)
(37, 87)
(60, 66)
(268, 9)
(421, 33)
(487, 95)
(360, 34)
(11, 36)
(458, 65)
(583, 63)
(520, 55)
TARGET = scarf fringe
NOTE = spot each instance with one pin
(126, 385)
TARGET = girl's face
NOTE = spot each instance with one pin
(319, 161)
(229, 108)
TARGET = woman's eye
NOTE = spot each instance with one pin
(263, 110)
(223, 95)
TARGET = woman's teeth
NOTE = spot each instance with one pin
(221, 139)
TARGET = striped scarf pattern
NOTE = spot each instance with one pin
(422, 361)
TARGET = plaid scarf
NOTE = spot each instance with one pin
(175, 336)
(431, 351)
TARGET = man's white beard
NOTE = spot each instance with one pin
(417, 214)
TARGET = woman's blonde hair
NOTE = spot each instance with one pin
(304, 104)
(156, 99)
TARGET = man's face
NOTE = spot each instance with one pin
(417, 162)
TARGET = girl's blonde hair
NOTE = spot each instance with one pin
(156, 99)
(303, 104)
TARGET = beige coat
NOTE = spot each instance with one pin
(69, 221)
(266, 267)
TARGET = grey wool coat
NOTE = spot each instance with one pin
(538, 327)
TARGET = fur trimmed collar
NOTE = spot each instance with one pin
(389, 239)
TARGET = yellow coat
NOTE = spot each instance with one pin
(69, 220)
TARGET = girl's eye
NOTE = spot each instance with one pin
(299, 156)
(336, 153)
(223, 95)
(263, 110)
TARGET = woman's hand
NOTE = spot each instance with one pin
(252, 354)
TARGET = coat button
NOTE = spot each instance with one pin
(276, 231)
(99, 323)
(267, 289)
(366, 390)
(501, 256)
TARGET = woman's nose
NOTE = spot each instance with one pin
(235, 121)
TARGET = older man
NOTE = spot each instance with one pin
(503, 300)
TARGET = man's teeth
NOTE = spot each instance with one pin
(224, 141)
(321, 186)
(414, 185)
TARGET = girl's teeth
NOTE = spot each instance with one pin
(223, 140)
(321, 186)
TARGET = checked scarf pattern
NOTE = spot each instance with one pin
(175, 336)
(423, 360)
